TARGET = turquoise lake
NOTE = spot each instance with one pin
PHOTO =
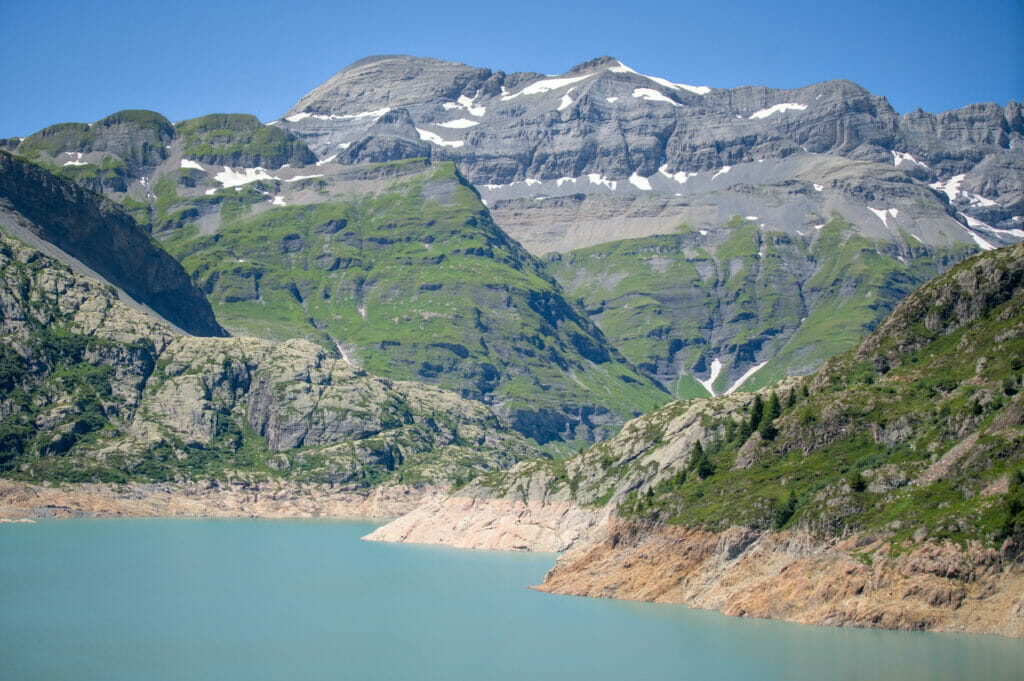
(295, 600)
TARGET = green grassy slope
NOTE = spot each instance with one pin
(673, 303)
(415, 281)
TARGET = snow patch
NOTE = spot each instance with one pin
(778, 108)
(566, 99)
(695, 89)
(279, 201)
(899, 157)
(884, 214)
(302, 177)
(326, 160)
(77, 161)
(750, 217)
(542, 86)
(723, 171)
(681, 177)
(818, 187)
(229, 177)
(464, 102)
(563, 180)
(598, 179)
(186, 163)
(611, 100)
(376, 113)
(951, 187)
(530, 182)
(818, 227)
(641, 183)
(975, 223)
(650, 95)
(459, 123)
(434, 138)
(703, 232)
(716, 369)
(977, 200)
(344, 145)
(742, 379)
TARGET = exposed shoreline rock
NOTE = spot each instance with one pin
(792, 576)
(208, 500)
(495, 524)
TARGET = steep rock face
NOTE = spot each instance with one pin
(96, 391)
(106, 155)
(101, 235)
(602, 127)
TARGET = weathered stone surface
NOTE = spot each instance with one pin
(602, 134)
(98, 233)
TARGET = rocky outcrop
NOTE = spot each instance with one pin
(99, 234)
(240, 140)
(496, 524)
(603, 133)
(796, 577)
(96, 391)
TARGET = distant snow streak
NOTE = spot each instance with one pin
(716, 368)
(186, 163)
(680, 177)
(459, 123)
(650, 95)
(951, 187)
(547, 85)
(884, 214)
(695, 89)
(723, 171)
(778, 108)
(466, 103)
(229, 177)
(434, 138)
(743, 379)
(566, 99)
(899, 157)
(376, 113)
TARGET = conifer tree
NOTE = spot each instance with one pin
(774, 408)
(756, 413)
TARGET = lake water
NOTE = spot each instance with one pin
(305, 600)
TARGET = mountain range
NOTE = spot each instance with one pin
(570, 250)
(756, 350)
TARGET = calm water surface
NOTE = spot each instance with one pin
(291, 600)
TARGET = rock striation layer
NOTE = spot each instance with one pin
(97, 233)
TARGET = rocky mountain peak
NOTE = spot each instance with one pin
(600, 62)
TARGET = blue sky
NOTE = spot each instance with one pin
(79, 61)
